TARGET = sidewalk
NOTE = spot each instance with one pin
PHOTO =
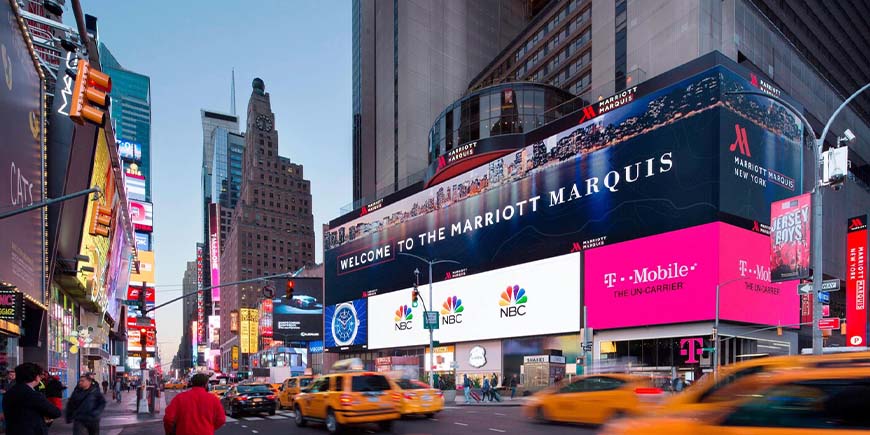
(116, 416)
(505, 401)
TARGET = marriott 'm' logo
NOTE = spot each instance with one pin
(740, 141)
(856, 224)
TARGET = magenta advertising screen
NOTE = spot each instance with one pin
(672, 278)
(214, 249)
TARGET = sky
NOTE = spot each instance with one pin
(301, 50)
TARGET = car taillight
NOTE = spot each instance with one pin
(397, 397)
(647, 390)
(439, 393)
(241, 398)
(409, 396)
(271, 397)
(345, 399)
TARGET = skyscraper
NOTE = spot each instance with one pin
(188, 313)
(226, 179)
(410, 60)
(272, 229)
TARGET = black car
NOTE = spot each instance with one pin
(249, 398)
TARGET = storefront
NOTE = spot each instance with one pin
(11, 312)
(478, 360)
(63, 346)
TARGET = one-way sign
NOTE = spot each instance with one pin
(828, 285)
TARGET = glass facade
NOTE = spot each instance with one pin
(62, 321)
(497, 110)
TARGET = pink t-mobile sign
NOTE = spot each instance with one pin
(672, 277)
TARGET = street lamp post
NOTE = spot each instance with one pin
(431, 340)
(716, 326)
(818, 211)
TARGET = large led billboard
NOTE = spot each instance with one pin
(135, 187)
(299, 319)
(146, 269)
(214, 250)
(672, 278)
(657, 161)
(346, 325)
(21, 161)
(537, 298)
(141, 213)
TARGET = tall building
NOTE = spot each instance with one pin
(226, 178)
(411, 59)
(272, 230)
(188, 314)
(212, 121)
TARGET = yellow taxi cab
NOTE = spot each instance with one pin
(174, 384)
(290, 388)
(218, 390)
(788, 402)
(592, 399)
(419, 398)
(710, 392)
(348, 396)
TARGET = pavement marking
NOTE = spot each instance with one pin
(254, 431)
(231, 420)
(499, 414)
(244, 426)
(433, 419)
(497, 430)
(277, 417)
(471, 412)
(252, 418)
(460, 424)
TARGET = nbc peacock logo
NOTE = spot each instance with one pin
(403, 318)
(451, 310)
(513, 302)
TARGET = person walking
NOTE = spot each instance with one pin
(27, 412)
(54, 390)
(105, 386)
(195, 411)
(118, 390)
(486, 389)
(85, 406)
(513, 385)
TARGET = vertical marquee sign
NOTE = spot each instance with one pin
(214, 250)
(856, 281)
(790, 239)
(200, 302)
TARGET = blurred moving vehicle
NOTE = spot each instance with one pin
(593, 399)
(219, 390)
(290, 388)
(419, 398)
(787, 402)
(733, 380)
(175, 384)
(245, 398)
(351, 397)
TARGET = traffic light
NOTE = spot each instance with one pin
(90, 98)
(142, 302)
(843, 327)
(290, 286)
(101, 221)
(414, 295)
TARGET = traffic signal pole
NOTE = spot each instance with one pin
(226, 284)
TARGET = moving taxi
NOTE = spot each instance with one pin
(290, 388)
(174, 384)
(712, 391)
(804, 401)
(419, 398)
(248, 398)
(348, 396)
(592, 399)
(218, 390)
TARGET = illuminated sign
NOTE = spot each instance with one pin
(214, 250)
(234, 321)
(856, 282)
(135, 186)
(142, 215)
(248, 337)
(143, 241)
(235, 357)
(129, 150)
(790, 238)
(200, 302)
(11, 305)
(146, 268)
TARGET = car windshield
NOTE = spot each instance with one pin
(220, 387)
(407, 384)
(245, 389)
(366, 383)
(305, 382)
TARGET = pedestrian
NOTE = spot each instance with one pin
(84, 407)
(513, 385)
(494, 380)
(195, 411)
(118, 390)
(105, 386)
(679, 383)
(466, 388)
(486, 388)
(26, 411)
(54, 390)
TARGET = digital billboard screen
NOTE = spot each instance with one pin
(658, 163)
(537, 298)
(129, 150)
(142, 215)
(346, 325)
(143, 241)
(214, 250)
(135, 187)
(675, 280)
(299, 319)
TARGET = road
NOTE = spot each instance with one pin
(456, 420)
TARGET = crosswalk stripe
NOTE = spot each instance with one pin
(277, 417)
(231, 420)
(251, 418)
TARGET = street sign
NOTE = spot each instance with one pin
(830, 323)
(829, 285)
(430, 320)
(825, 297)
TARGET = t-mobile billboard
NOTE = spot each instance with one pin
(657, 163)
(675, 279)
(214, 250)
(537, 298)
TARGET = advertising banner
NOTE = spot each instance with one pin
(134, 339)
(21, 161)
(790, 238)
(141, 213)
(856, 282)
(536, 298)
(234, 321)
(214, 329)
(214, 250)
(194, 342)
(130, 151)
(135, 186)
(444, 358)
(143, 241)
(146, 268)
(675, 280)
(302, 317)
(200, 298)
(11, 305)
(346, 325)
(266, 309)
(659, 163)
(133, 293)
(249, 320)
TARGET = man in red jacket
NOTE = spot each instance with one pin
(194, 412)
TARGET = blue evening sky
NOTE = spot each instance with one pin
(301, 49)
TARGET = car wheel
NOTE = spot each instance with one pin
(331, 422)
(271, 412)
(298, 418)
(430, 415)
(541, 415)
(386, 426)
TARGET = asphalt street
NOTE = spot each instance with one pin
(455, 420)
